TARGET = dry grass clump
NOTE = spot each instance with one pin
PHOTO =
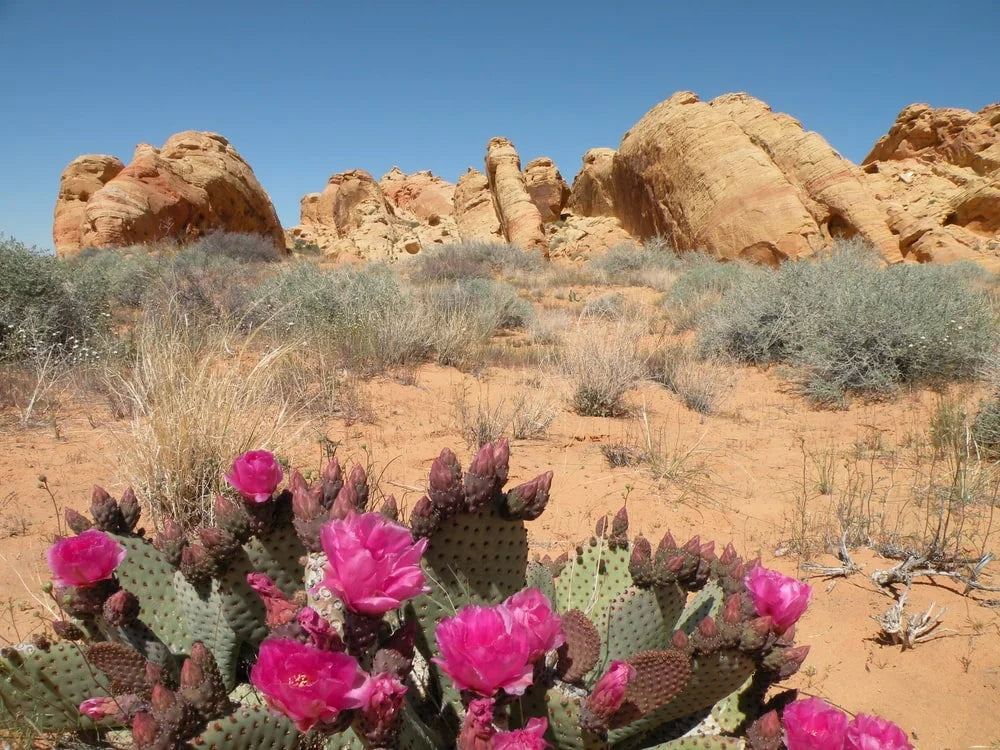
(603, 360)
(701, 385)
(521, 414)
(197, 396)
(653, 264)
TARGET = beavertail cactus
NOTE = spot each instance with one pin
(359, 632)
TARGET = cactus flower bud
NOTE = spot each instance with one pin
(305, 502)
(154, 673)
(707, 627)
(129, 506)
(144, 730)
(601, 526)
(478, 729)
(121, 608)
(330, 482)
(501, 461)
(693, 545)
(528, 500)
(608, 694)
(481, 484)
(766, 733)
(382, 712)
(390, 508)
(67, 630)
(347, 502)
(792, 659)
(196, 565)
(171, 542)
(77, 522)
(192, 674)
(640, 564)
(445, 483)
(729, 555)
(101, 707)
(232, 518)
(105, 511)
(619, 529)
(707, 551)
(321, 632)
(424, 518)
(162, 699)
(733, 610)
(680, 640)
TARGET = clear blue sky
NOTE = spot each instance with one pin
(306, 89)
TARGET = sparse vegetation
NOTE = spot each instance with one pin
(846, 324)
(473, 260)
(603, 361)
(652, 264)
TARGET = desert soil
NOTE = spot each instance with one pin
(746, 473)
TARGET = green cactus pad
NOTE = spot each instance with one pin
(46, 687)
(640, 620)
(537, 576)
(702, 743)
(706, 602)
(251, 728)
(147, 574)
(563, 711)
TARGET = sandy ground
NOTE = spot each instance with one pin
(750, 476)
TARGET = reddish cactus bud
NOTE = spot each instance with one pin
(674, 564)
(480, 482)
(390, 508)
(601, 526)
(191, 674)
(729, 555)
(78, 522)
(154, 673)
(279, 609)
(527, 501)
(359, 481)
(105, 512)
(707, 551)
(732, 611)
(68, 630)
(346, 503)
(196, 565)
(162, 699)
(330, 482)
(144, 730)
(121, 608)
(424, 518)
(680, 640)
(792, 660)
(232, 517)
(641, 562)
(708, 628)
(501, 461)
(762, 625)
(129, 506)
(171, 542)
(693, 545)
(445, 484)
(619, 529)
(766, 733)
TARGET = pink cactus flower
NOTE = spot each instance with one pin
(484, 649)
(100, 708)
(305, 684)
(383, 699)
(868, 732)
(278, 608)
(322, 633)
(532, 737)
(374, 564)
(255, 475)
(84, 559)
(609, 692)
(813, 724)
(543, 628)
(777, 596)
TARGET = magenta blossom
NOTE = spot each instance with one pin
(100, 708)
(543, 628)
(374, 565)
(868, 732)
(484, 649)
(84, 559)
(478, 729)
(384, 695)
(307, 685)
(813, 724)
(777, 596)
(255, 475)
(609, 692)
(532, 737)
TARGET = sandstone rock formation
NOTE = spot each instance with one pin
(520, 220)
(474, 210)
(354, 215)
(937, 172)
(195, 184)
(593, 190)
(83, 177)
(728, 176)
(584, 235)
(546, 188)
(422, 194)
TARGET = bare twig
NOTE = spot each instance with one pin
(847, 567)
(908, 631)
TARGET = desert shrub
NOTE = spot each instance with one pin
(651, 264)
(114, 278)
(37, 304)
(194, 284)
(523, 414)
(701, 385)
(464, 316)
(363, 315)
(986, 427)
(238, 246)
(848, 324)
(603, 361)
(473, 259)
(702, 282)
(608, 306)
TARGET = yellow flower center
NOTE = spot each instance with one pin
(300, 680)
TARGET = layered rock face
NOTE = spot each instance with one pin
(593, 188)
(520, 219)
(195, 184)
(937, 173)
(730, 177)
(546, 188)
(474, 212)
(83, 177)
(357, 216)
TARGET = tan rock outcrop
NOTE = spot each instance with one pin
(520, 220)
(195, 184)
(577, 236)
(937, 172)
(422, 194)
(352, 216)
(593, 190)
(955, 136)
(546, 188)
(832, 188)
(83, 177)
(474, 212)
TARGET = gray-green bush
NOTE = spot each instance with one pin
(473, 259)
(702, 282)
(848, 324)
(239, 246)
